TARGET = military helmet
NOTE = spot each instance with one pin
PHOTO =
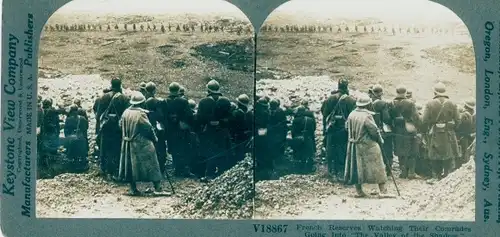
(174, 87)
(182, 90)
(213, 86)
(192, 104)
(377, 89)
(150, 86)
(262, 101)
(243, 99)
(401, 90)
(142, 85)
(470, 103)
(439, 89)
(343, 83)
(363, 100)
(73, 109)
(301, 110)
(274, 103)
(47, 102)
(137, 98)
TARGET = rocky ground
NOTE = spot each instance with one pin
(417, 62)
(87, 195)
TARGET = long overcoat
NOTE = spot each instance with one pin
(364, 162)
(441, 145)
(405, 143)
(138, 160)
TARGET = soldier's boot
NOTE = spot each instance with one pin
(359, 191)
(411, 169)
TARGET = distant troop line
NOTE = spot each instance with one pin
(239, 29)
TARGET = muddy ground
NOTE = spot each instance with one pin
(308, 65)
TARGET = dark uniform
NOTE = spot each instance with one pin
(178, 119)
(49, 133)
(382, 117)
(440, 119)
(405, 124)
(241, 133)
(215, 139)
(278, 129)
(109, 111)
(335, 111)
(264, 162)
(466, 131)
(153, 106)
(303, 136)
(77, 143)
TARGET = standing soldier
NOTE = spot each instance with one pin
(214, 139)
(278, 130)
(335, 111)
(75, 131)
(383, 120)
(303, 131)
(440, 118)
(182, 92)
(241, 133)
(405, 121)
(81, 111)
(466, 130)
(152, 105)
(178, 121)
(138, 161)
(261, 140)
(109, 110)
(50, 129)
(364, 162)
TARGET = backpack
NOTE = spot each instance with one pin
(336, 119)
(110, 118)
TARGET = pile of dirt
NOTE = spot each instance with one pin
(234, 54)
(454, 196)
(229, 196)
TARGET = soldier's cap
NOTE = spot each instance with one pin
(363, 100)
(377, 89)
(192, 103)
(401, 90)
(150, 86)
(439, 89)
(174, 88)
(137, 98)
(142, 85)
(243, 99)
(470, 103)
(116, 82)
(213, 86)
(274, 103)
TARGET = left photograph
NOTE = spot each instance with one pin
(145, 111)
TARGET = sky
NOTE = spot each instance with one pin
(404, 10)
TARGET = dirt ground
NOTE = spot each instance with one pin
(307, 65)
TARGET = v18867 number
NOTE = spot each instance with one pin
(270, 228)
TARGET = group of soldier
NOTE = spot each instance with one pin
(429, 141)
(207, 28)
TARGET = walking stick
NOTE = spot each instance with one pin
(392, 175)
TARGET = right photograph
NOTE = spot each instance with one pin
(365, 110)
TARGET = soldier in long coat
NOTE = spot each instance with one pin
(364, 161)
(178, 120)
(49, 132)
(303, 136)
(440, 119)
(138, 161)
(239, 127)
(263, 160)
(335, 111)
(382, 117)
(405, 124)
(77, 143)
(466, 130)
(155, 116)
(278, 130)
(214, 137)
(110, 108)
